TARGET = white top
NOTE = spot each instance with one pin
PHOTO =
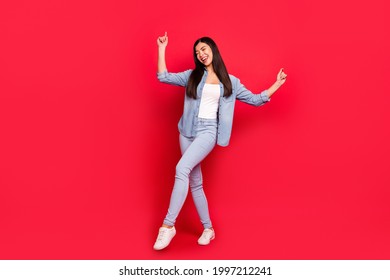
(208, 107)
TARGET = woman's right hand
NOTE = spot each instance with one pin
(162, 41)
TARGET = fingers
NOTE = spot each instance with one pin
(164, 38)
(281, 77)
(281, 74)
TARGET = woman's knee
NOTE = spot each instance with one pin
(182, 171)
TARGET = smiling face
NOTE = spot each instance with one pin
(204, 53)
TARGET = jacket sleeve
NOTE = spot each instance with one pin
(177, 79)
(246, 96)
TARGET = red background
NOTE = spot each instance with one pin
(89, 138)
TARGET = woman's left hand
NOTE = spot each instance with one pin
(280, 80)
(281, 77)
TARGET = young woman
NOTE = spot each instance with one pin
(206, 121)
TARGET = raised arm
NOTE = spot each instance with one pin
(162, 43)
(178, 79)
(248, 97)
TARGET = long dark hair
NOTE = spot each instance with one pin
(218, 65)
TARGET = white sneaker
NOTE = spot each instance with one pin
(207, 235)
(164, 237)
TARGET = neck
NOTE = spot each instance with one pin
(210, 69)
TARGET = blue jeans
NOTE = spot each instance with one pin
(188, 172)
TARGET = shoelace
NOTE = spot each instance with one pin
(161, 235)
(207, 234)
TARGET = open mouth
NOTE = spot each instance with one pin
(203, 59)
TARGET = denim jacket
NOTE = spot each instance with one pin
(188, 120)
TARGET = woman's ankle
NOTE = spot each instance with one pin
(166, 226)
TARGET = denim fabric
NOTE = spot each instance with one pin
(226, 104)
(188, 171)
